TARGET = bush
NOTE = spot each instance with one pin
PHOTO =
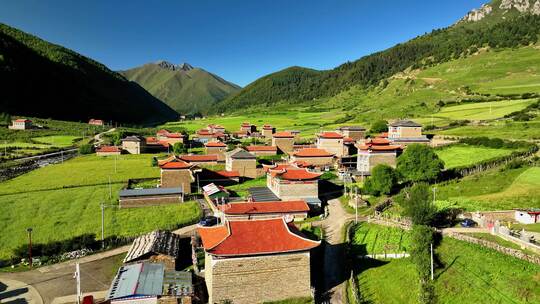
(419, 163)
(379, 126)
(179, 148)
(514, 164)
(154, 162)
(328, 176)
(417, 204)
(86, 149)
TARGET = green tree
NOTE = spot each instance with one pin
(421, 240)
(417, 204)
(179, 148)
(382, 181)
(86, 149)
(379, 126)
(419, 163)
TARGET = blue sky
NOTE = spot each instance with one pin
(238, 40)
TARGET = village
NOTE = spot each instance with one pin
(265, 241)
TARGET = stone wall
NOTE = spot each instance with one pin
(176, 178)
(132, 147)
(509, 251)
(331, 145)
(246, 167)
(252, 280)
(283, 144)
(315, 161)
(296, 190)
(219, 151)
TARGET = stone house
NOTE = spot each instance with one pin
(176, 173)
(262, 150)
(216, 148)
(215, 128)
(313, 157)
(108, 150)
(247, 127)
(376, 151)
(289, 182)
(133, 198)
(20, 124)
(256, 261)
(134, 144)
(349, 146)
(96, 122)
(267, 131)
(355, 132)
(297, 210)
(242, 161)
(331, 142)
(204, 136)
(406, 132)
(284, 141)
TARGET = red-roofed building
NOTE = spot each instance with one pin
(176, 173)
(262, 150)
(298, 210)
(270, 259)
(217, 148)
(108, 150)
(247, 127)
(21, 124)
(331, 142)
(96, 122)
(284, 141)
(215, 128)
(268, 131)
(194, 159)
(290, 182)
(205, 136)
(374, 152)
(314, 157)
(406, 132)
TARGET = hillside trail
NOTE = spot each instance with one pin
(97, 138)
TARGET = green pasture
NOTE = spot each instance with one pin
(57, 140)
(62, 201)
(462, 155)
(494, 189)
(515, 130)
(467, 273)
(375, 239)
(241, 189)
(483, 110)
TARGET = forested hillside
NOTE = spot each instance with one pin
(42, 79)
(297, 85)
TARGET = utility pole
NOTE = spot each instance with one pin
(115, 158)
(110, 188)
(29, 230)
(431, 245)
(102, 226)
(78, 282)
(434, 194)
(356, 209)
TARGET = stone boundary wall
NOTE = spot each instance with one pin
(405, 225)
(505, 250)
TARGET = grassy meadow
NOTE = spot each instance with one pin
(494, 189)
(514, 130)
(375, 239)
(467, 273)
(61, 201)
(463, 155)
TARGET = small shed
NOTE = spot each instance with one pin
(157, 246)
(130, 198)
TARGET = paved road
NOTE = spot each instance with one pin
(335, 273)
(13, 291)
(97, 138)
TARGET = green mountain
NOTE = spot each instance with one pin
(41, 79)
(505, 26)
(183, 87)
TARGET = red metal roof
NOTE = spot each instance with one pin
(199, 158)
(267, 127)
(174, 135)
(162, 132)
(109, 149)
(331, 135)
(284, 134)
(294, 173)
(215, 144)
(204, 132)
(348, 140)
(261, 148)
(175, 165)
(313, 152)
(225, 173)
(254, 237)
(265, 207)
(23, 120)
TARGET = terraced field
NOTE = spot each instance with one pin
(458, 156)
(375, 239)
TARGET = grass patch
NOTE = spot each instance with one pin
(464, 155)
(376, 239)
(242, 189)
(527, 227)
(305, 300)
(57, 140)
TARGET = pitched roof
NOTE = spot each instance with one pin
(261, 148)
(173, 162)
(348, 140)
(215, 144)
(155, 242)
(162, 132)
(330, 135)
(132, 138)
(254, 237)
(150, 191)
(268, 127)
(22, 120)
(283, 134)
(199, 158)
(378, 144)
(140, 279)
(312, 152)
(352, 128)
(204, 132)
(291, 172)
(226, 173)
(174, 135)
(241, 154)
(264, 207)
(109, 149)
(405, 123)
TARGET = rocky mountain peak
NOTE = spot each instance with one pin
(522, 6)
(174, 67)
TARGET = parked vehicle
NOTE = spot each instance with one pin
(468, 223)
(209, 220)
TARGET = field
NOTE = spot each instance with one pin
(516, 130)
(61, 201)
(494, 190)
(241, 189)
(57, 140)
(468, 273)
(375, 239)
(462, 155)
